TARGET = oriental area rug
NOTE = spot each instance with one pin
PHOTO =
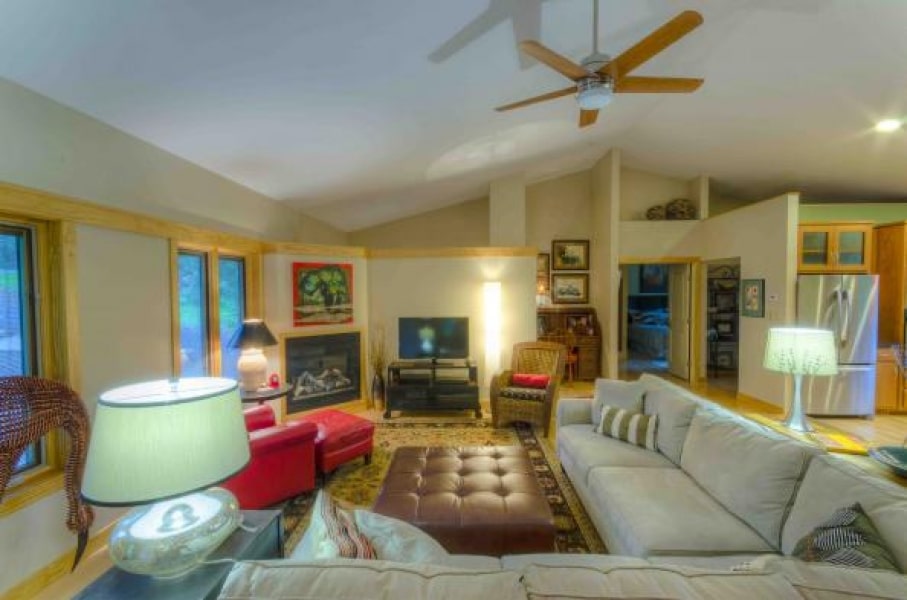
(358, 484)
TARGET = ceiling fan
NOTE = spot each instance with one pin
(598, 77)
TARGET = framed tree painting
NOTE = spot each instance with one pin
(322, 293)
(570, 255)
(752, 298)
(570, 288)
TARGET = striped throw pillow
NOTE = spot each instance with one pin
(341, 530)
(630, 427)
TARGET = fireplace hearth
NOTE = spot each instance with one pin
(322, 370)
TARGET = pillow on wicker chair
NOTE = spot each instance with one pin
(530, 380)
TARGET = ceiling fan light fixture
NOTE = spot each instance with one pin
(888, 125)
(594, 94)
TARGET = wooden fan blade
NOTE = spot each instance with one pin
(587, 117)
(537, 99)
(657, 85)
(652, 44)
(562, 65)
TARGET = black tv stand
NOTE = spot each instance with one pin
(432, 385)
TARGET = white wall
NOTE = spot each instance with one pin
(54, 148)
(656, 239)
(452, 287)
(460, 225)
(507, 212)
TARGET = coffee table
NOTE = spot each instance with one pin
(472, 500)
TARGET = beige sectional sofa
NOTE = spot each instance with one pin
(715, 513)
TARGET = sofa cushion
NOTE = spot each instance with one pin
(524, 393)
(651, 581)
(636, 429)
(586, 449)
(821, 581)
(619, 394)
(751, 471)
(398, 540)
(674, 415)
(520, 562)
(848, 538)
(662, 511)
(351, 578)
(832, 482)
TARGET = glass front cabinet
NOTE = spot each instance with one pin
(834, 247)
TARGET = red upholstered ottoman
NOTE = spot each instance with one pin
(341, 438)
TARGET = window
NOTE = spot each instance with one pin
(212, 305)
(18, 329)
(232, 304)
(193, 308)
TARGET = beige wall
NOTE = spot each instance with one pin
(54, 148)
(764, 237)
(452, 287)
(507, 212)
(123, 304)
(460, 225)
(559, 208)
(655, 239)
(641, 190)
(605, 275)
(878, 212)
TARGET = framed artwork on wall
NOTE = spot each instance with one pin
(752, 298)
(570, 255)
(570, 288)
(322, 293)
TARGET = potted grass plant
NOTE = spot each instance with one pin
(377, 360)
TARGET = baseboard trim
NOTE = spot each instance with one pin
(56, 569)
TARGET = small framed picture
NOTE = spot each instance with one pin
(752, 298)
(725, 330)
(653, 279)
(570, 288)
(570, 255)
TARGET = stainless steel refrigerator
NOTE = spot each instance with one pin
(849, 306)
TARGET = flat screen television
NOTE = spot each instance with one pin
(434, 337)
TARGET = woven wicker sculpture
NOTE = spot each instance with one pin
(30, 407)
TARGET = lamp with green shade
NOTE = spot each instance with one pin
(159, 446)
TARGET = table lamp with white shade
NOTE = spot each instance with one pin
(159, 446)
(251, 338)
(800, 351)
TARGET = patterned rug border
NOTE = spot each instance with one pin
(570, 515)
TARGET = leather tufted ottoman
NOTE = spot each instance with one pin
(481, 500)
(341, 438)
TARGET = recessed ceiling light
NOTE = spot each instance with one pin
(888, 125)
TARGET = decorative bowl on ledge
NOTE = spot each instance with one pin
(894, 457)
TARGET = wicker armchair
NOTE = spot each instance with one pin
(510, 403)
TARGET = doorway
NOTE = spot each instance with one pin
(722, 323)
(655, 319)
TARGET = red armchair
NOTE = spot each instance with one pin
(282, 463)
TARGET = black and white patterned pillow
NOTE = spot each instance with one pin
(847, 538)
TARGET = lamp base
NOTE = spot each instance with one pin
(795, 418)
(252, 369)
(170, 538)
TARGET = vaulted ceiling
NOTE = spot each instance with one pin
(362, 112)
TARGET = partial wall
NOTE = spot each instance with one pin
(451, 286)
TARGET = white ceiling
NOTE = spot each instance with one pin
(359, 112)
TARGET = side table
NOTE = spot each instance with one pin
(262, 394)
(266, 541)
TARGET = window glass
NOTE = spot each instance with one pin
(17, 323)
(193, 306)
(232, 304)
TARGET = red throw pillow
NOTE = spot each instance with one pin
(530, 380)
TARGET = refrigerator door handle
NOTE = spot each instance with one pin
(844, 298)
(839, 318)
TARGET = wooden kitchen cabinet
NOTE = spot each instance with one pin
(891, 266)
(889, 389)
(834, 247)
